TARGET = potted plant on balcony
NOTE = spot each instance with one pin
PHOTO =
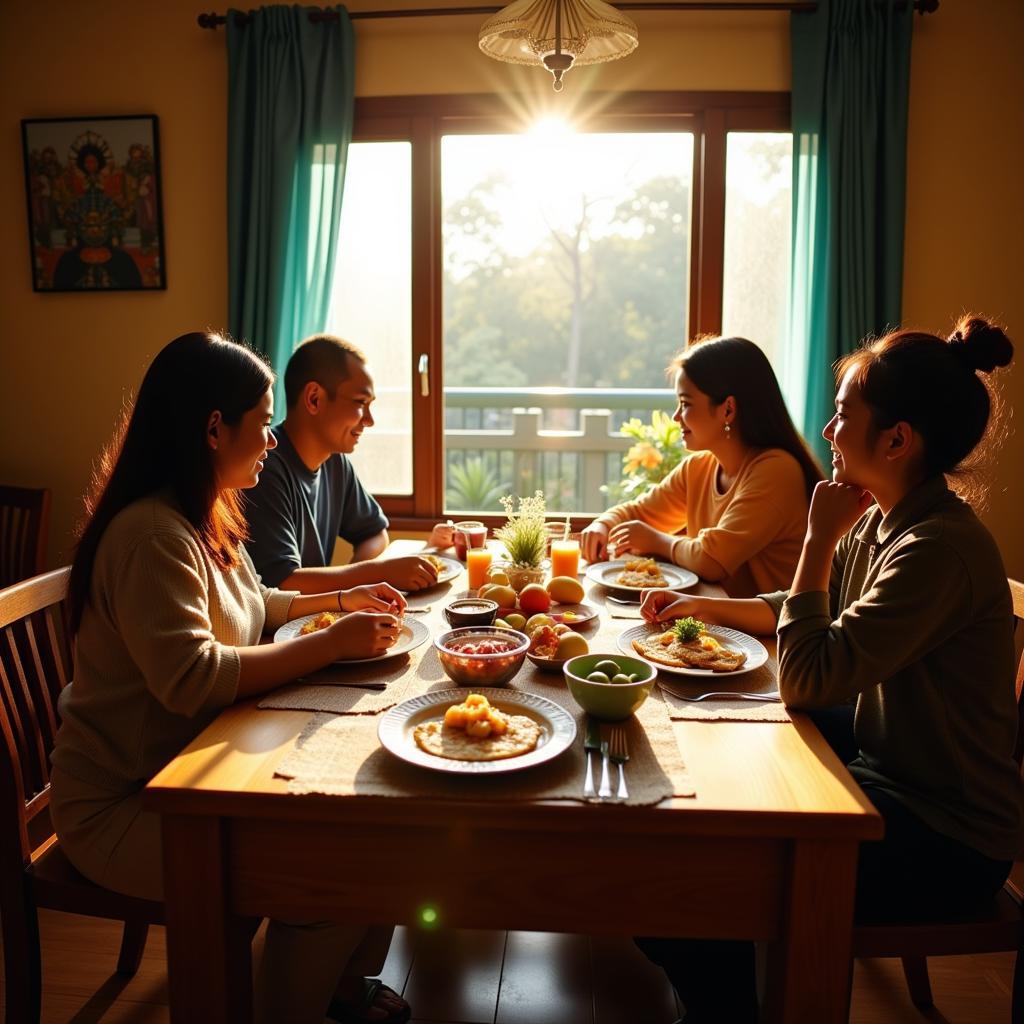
(525, 538)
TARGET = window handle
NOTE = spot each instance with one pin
(424, 372)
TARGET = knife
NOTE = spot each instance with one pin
(591, 744)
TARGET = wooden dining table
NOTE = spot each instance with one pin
(766, 850)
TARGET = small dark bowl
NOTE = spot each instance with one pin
(471, 611)
(482, 669)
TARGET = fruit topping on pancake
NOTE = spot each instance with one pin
(688, 644)
(641, 572)
(475, 730)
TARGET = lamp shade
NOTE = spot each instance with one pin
(558, 34)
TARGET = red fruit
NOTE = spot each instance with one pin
(533, 598)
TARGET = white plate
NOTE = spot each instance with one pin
(585, 614)
(604, 573)
(757, 655)
(557, 729)
(410, 636)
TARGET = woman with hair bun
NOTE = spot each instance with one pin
(740, 494)
(900, 602)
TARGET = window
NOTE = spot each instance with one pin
(371, 302)
(519, 286)
(758, 216)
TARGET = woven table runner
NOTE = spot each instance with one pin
(341, 755)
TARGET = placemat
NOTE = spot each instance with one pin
(335, 688)
(341, 755)
(760, 680)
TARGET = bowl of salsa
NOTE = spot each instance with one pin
(481, 655)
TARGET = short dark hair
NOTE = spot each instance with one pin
(160, 444)
(735, 366)
(322, 358)
(932, 383)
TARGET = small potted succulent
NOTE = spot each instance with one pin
(525, 538)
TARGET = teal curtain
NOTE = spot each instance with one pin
(851, 79)
(290, 113)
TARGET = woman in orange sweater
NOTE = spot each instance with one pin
(734, 510)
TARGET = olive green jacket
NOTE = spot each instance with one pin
(918, 627)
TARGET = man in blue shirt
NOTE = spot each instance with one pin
(308, 494)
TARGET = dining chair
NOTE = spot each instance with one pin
(35, 661)
(24, 515)
(998, 928)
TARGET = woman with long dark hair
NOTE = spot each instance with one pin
(167, 613)
(900, 602)
(742, 493)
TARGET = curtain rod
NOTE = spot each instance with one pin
(213, 20)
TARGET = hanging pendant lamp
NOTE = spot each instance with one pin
(558, 34)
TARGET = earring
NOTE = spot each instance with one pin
(728, 430)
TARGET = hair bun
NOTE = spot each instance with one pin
(979, 344)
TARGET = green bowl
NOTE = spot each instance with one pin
(611, 702)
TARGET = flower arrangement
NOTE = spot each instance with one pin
(524, 534)
(657, 451)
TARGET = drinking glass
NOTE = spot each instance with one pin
(468, 534)
(478, 561)
(565, 557)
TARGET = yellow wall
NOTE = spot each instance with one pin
(68, 361)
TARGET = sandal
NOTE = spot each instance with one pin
(355, 1013)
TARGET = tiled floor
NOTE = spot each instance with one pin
(499, 978)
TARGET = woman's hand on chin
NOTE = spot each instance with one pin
(834, 510)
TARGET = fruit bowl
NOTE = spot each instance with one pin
(520, 575)
(475, 668)
(611, 702)
(546, 664)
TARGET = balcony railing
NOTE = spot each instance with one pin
(564, 442)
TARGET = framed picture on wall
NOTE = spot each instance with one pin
(94, 214)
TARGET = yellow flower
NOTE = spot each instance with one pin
(642, 455)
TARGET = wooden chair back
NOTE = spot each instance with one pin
(35, 665)
(24, 514)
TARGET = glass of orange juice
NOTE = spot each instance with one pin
(478, 561)
(565, 557)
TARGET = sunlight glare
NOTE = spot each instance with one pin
(551, 129)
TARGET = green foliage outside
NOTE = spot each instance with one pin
(473, 486)
(657, 451)
(509, 320)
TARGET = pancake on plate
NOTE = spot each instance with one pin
(476, 731)
(436, 562)
(689, 645)
(641, 572)
(321, 621)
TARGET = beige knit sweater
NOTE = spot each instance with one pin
(155, 655)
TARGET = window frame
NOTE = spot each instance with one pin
(423, 120)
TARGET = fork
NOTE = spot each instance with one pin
(619, 753)
(732, 695)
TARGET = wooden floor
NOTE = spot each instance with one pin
(498, 978)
